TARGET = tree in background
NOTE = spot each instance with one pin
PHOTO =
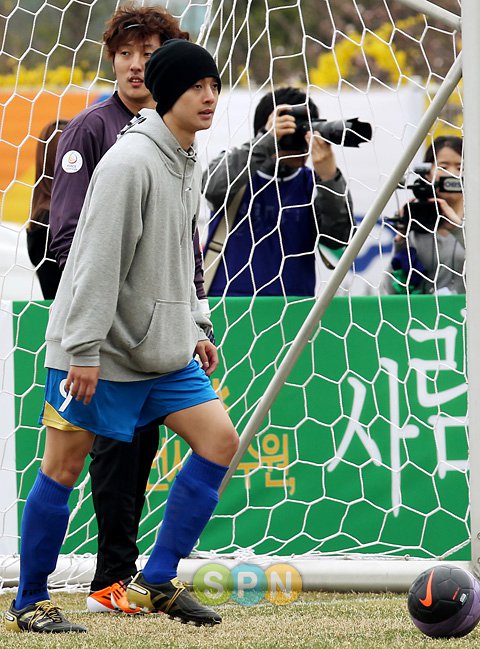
(360, 39)
(257, 42)
(39, 39)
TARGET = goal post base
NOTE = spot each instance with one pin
(337, 574)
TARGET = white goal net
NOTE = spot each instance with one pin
(365, 451)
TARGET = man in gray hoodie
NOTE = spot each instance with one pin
(120, 340)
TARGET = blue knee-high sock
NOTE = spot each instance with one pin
(190, 503)
(44, 524)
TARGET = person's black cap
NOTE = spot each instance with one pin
(174, 67)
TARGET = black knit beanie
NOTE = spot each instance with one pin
(173, 68)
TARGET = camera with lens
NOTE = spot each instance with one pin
(422, 213)
(351, 132)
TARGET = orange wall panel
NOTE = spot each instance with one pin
(22, 117)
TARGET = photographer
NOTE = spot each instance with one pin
(429, 249)
(278, 209)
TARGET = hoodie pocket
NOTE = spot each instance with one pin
(170, 340)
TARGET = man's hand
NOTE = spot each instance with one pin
(208, 356)
(323, 158)
(82, 382)
(281, 124)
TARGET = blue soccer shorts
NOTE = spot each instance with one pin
(118, 408)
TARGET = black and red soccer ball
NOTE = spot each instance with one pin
(444, 602)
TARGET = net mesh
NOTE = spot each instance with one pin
(365, 451)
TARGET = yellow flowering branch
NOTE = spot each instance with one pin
(376, 47)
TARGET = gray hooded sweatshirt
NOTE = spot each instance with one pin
(127, 300)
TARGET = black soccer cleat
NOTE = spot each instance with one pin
(171, 598)
(41, 617)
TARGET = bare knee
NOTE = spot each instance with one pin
(225, 446)
(65, 454)
(66, 471)
(232, 442)
(208, 430)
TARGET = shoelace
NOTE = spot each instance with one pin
(181, 585)
(45, 609)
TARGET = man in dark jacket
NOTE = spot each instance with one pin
(286, 209)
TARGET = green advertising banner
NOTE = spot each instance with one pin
(364, 451)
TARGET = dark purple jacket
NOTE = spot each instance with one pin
(85, 140)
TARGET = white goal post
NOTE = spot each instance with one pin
(355, 448)
(471, 23)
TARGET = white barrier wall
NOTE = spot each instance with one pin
(393, 116)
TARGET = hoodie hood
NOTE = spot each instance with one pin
(149, 123)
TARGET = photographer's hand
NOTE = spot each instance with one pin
(447, 211)
(323, 157)
(281, 124)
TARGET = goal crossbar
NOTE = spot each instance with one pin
(434, 11)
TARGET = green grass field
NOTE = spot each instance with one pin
(363, 621)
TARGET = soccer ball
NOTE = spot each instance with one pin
(444, 602)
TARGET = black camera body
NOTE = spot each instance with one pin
(422, 214)
(423, 190)
(350, 133)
